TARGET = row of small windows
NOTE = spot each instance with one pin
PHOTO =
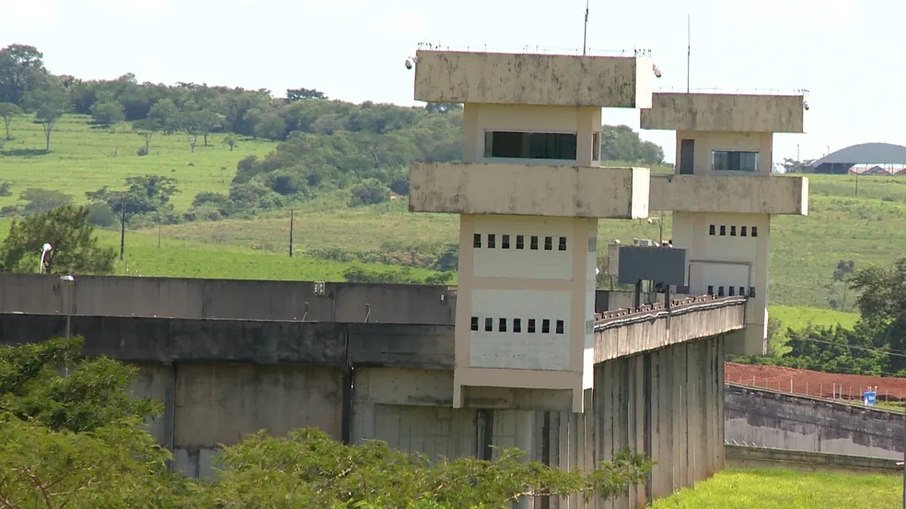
(731, 291)
(504, 324)
(744, 231)
(520, 242)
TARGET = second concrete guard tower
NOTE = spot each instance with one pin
(528, 191)
(723, 195)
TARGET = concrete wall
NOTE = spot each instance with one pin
(559, 80)
(535, 190)
(759, 457)
(728, 194)
(784, 421)
(725, 112)
(230, 299)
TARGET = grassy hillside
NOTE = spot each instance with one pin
(804, 251)
(82, 159)
(787, 489)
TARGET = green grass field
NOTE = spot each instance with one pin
(801, 317)
(81, 159)
(804, 250)
(787, 489)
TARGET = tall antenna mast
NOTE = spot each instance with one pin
(585, 31)
(688, 48)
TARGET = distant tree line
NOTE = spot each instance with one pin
(327, 144)
(876, 345)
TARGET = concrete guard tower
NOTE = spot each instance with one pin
(528, 191)
(723, 195)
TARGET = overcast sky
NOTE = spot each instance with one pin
(849, 54)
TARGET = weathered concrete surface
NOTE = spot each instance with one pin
(725, 112)
(261, 342)
(521, 189)
(637, 333)
(532, 79)
(783, 421)
(739, 194)
(759, 457)
(230, 299)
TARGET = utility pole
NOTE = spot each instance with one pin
(585, 31)
(291, 220)
(122, 227)
(688, 50)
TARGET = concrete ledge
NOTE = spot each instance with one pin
(633, 333)
(725, 112)
(757, 457)
(521, 189)
(741, 194)
(556, 80)
(258, 342)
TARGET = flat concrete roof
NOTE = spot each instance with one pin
(725, 113)
(533, 79)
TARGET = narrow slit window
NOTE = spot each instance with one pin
(488, 324)
(545, 326)
(710, 289)
(720, 291)
(548, 243)
(476, 240)
(474, 323)
(723, 232)
(742, 291)
(743, 230)
(752, 292)
(501, 325)
(517, 325)
(533, 243)
(531, 325)
(492, 241)
(733, 231)
(505, 242)
(754, 231)
(562, 244)
(712, 230)
(520, 241)
(732, 291)
(559, 327)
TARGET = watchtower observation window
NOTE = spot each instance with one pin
(524, 145)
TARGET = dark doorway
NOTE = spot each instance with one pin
(687, 157)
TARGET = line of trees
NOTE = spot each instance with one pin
(71, 436)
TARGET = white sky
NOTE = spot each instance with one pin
(848, 53)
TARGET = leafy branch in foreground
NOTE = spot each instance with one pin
(307, 468)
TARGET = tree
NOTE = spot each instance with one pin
(230, 141)
(21, 70)
(164, 116)
(108, 113)
(66, 229)
(48, 104)
(369, 192)
(144, 194)
(76, 440)
(146, 129)
(43, 200)
(7, 112)
(842, 273)
(271, 126)
(298, 94)
(200, 122)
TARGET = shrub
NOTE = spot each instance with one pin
(100, 214)
(369, 192)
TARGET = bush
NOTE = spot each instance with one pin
(100, 214)
(142, 151)
(6, 188)
(369, 192)
(43, 200)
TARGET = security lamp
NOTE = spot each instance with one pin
(411, 61)
(657, 71)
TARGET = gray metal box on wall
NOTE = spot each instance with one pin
(665, 265)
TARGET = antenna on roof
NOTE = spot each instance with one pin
(585, 31)
(688, 48)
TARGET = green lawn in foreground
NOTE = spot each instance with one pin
(801, 317)
(81, 159)
(787, 489)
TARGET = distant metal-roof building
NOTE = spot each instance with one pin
(871, 154)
